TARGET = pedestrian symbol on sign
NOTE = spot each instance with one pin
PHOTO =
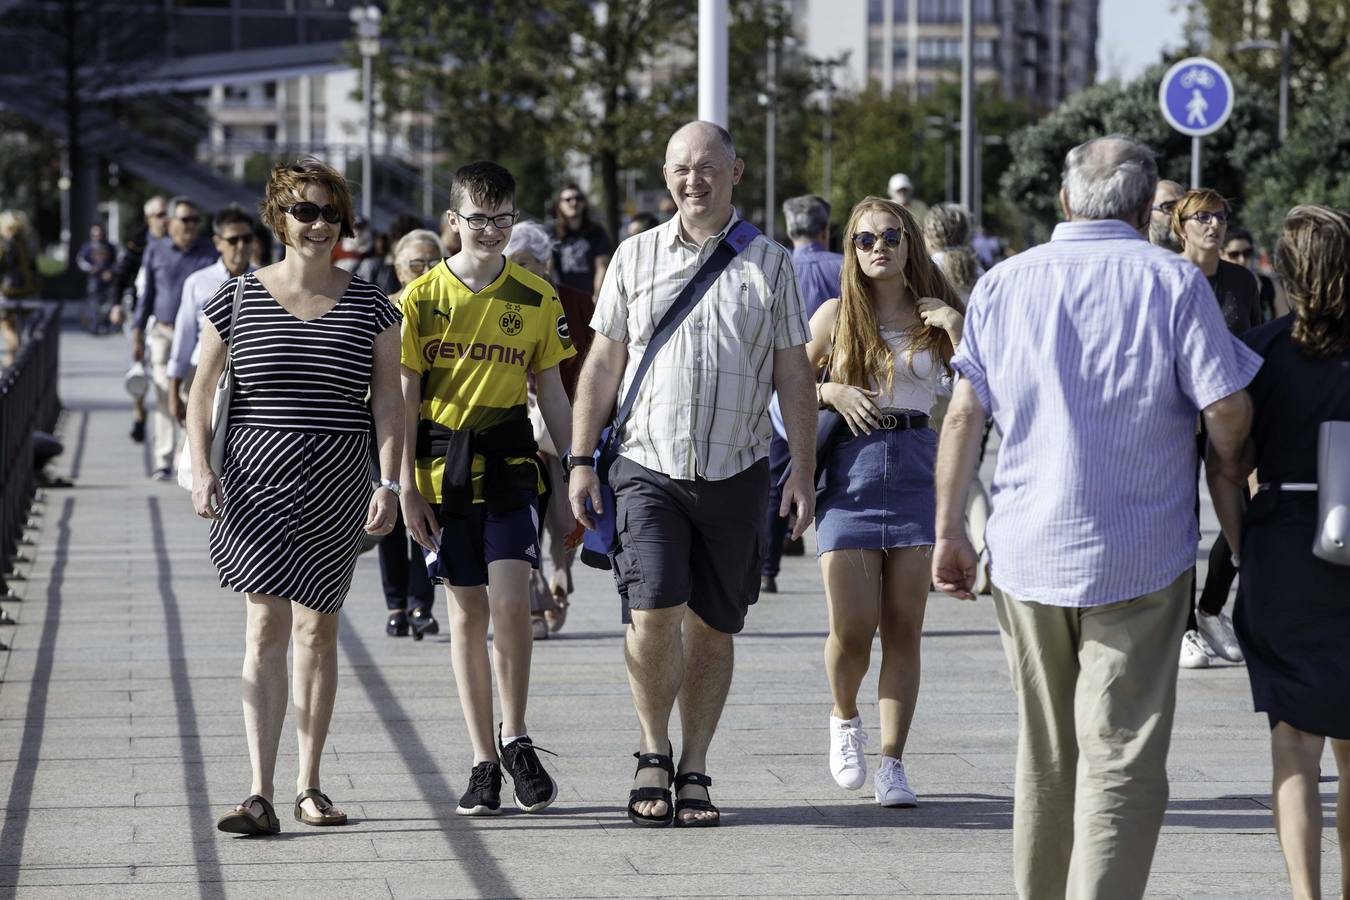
(1195, 110)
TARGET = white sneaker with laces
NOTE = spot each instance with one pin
(1194, 651)
(847, 763)
(892, 788)
(1218, 633)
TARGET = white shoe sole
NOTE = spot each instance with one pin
(538, 806)
(477, 811)
(898, 804)
(851, 786)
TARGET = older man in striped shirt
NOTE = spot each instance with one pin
(1093, 354)
(692, 478)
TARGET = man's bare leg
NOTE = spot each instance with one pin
(512, 640)
(653, 649)
(709, 658)
(468, 612)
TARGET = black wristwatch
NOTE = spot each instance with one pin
(571, 460)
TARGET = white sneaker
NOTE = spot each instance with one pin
(1218, 633)
(1194, 651)
(847, 763)
(892, 788)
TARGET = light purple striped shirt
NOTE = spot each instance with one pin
(1093, 353)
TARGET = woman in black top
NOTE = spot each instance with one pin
(307, 345)
(1293, 616)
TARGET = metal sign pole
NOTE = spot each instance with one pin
(1195, 162)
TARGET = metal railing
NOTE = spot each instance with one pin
(28, 403)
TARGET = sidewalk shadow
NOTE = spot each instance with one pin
(487, 876)
(964, 812)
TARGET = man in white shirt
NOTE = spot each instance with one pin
(232, 233)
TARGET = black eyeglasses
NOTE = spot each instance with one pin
(1205, 217)
(866, 240)
(236, 240)
(1166, 207)
(305, 212)
(478, 221)
(418, 266)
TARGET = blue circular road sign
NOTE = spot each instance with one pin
(1196, 96)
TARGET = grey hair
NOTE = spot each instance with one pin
(145, 207)
(180, 200)
(419, 236)
(807, 216)
(532, 238)
(1109, 177)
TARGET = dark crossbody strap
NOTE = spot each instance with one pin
(737, 239)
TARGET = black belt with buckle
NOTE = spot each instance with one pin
(895, 420)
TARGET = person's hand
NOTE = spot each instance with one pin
(955, 564)
(115, 316)
(138, 346)
(854, 404)
(419, 517)
(177, 408)
(937, 314)
(382, 512)
(799, 494)
(208, 498)
(582, 485)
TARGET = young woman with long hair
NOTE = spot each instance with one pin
(884, 343)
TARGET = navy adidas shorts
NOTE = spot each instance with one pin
(469, 544)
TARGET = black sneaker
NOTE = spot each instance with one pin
(484, 796)
(532, 788)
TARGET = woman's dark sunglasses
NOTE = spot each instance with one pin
(306, 212)
(866, 240)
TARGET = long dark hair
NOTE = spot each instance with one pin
(559, 223)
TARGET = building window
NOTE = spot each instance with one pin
(876, 12)
(950, 11)
(899, 53)
(876, 52)
(901, 10)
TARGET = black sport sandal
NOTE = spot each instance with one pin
(652, 794)
(691, 779)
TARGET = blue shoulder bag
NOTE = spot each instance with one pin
(599, 543)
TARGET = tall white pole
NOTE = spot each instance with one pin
(967, 103)
(1284, 85)
(712, 61)
(368, 148)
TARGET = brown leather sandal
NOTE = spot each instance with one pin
(323, 803)
(240, 821)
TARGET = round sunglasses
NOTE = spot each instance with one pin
(866, 240)
(307, 213)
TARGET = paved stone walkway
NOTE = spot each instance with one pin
(120, 738)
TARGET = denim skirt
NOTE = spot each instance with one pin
(877, 492)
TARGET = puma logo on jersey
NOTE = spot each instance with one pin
(444, 315)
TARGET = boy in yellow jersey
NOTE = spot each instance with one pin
(473, 327)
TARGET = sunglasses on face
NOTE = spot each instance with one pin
(156, 215)
(1166, 207)
(571, 198)
(307, 213)
(236, 240)
(189, 220)
(418, 266)
(478, 221)
(866, 240)
(1242, 253)
(1205, 217)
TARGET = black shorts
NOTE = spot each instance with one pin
(696, 542)
(469, 544)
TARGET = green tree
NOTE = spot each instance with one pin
(1310, 168)
(1228, 156)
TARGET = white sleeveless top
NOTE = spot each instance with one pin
(911, 387)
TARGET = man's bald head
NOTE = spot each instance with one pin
(701, 135)
(1111, 177)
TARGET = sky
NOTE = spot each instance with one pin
(1133, 34)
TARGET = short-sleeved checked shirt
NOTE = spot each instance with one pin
(702, 410)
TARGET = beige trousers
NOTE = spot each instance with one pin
(1096, 690)
(158, 343)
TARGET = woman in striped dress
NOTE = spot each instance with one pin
(308, 344)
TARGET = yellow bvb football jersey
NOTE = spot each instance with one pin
(474, 350)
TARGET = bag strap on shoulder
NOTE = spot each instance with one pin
(737, 239)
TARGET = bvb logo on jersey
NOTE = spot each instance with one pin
(511, 322)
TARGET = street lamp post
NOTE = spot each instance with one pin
(1283, 46)
(713, 41)
(367, 22)
(771, 138)
(967, 103)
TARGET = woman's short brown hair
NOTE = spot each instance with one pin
(287, 184)
(1310, 258)
(1193, 201)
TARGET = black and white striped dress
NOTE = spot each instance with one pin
(297, 456)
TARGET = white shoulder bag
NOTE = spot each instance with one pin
(220, 407)
(1332, 542)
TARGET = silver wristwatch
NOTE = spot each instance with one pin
(392, 485)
